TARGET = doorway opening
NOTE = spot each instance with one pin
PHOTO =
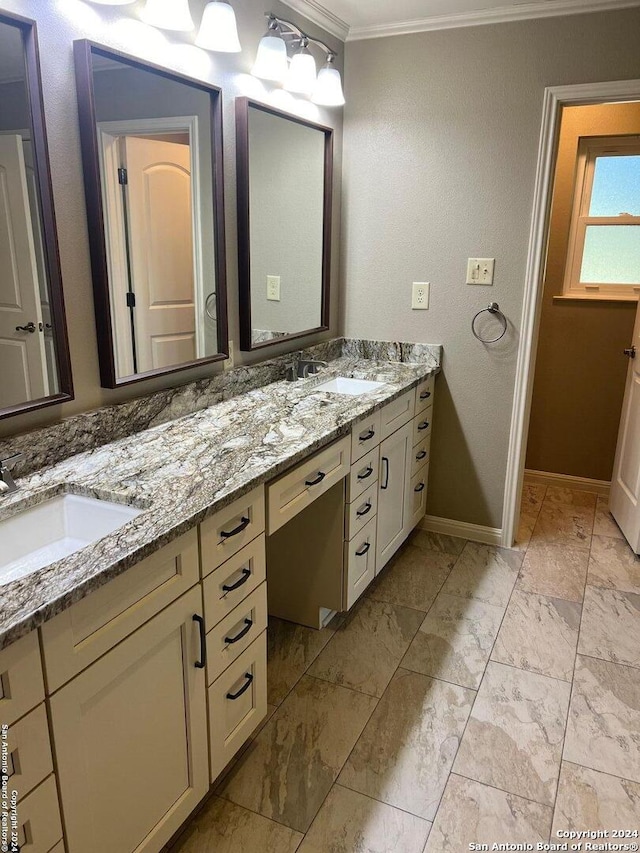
(575, 425)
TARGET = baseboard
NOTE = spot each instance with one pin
(584, 484)
(462, 529)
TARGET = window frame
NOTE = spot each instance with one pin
(589, 149)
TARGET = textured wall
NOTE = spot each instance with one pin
(59, 24)
(580, 369)
(441, 136)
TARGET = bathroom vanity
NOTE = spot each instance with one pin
(134, 670)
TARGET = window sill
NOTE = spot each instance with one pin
(597, 297)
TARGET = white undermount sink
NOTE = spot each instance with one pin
(344, 385)
(42, 534)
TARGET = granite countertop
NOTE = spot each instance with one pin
(183, 471)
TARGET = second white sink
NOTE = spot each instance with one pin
(42, 534)
(345, 385)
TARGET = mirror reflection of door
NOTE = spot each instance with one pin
(22, 350)
(154, 141)
(153, 289)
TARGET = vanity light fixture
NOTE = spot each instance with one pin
(302, 73)
(328, 91)
(168, 15)
(301, 77)
(271, 60)
(218, 28)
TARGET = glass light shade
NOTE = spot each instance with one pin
(218, 29)
(113, 2)
(301, 76)
(328, 91)
(271, 59)
(168, 15)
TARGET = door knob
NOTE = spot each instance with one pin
(30, 327)
(630, 351)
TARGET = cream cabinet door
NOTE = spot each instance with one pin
(130, 737)
(394, 474)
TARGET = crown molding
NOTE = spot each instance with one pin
(497, 15)
(317, 14)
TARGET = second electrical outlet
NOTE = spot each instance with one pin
(420, 295)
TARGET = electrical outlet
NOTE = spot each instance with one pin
(273, 288)
(480, 270)
(420, 295)
(228, 363)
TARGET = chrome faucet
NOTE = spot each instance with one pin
(309, 368)
(7, 483)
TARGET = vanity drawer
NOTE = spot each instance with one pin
(418, 496)
(360, 560)
(365, 435)
(232, 582)
(29, 760)
(295, 490)
(424, 393)
(229, 530)
(363, 474)
(361, 511)
(397, 414)
(40, 827)
(422, 425)
(236, 632)
(237, 704)
(21, 681)
(420, 454)
(85, 631)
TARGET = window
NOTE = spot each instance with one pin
(603, 261)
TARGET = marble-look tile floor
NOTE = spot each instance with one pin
(474, 694)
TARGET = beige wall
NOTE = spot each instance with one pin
(59, 24)
(580, 368)
(441, 137)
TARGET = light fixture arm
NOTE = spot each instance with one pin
(287, 28)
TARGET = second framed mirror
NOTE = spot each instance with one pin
(152, 153)
(285, 175)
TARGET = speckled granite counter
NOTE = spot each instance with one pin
(183, 471)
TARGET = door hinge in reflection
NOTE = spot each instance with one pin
(122, 176)
(131, 300)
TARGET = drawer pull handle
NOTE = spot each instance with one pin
(419, 487)
(366, 473)
(423, 425)
(318, 479)
(243, 689)
(364, 550)
(248, 625)
(425, 395)
(366, 436)
(246, 574)
(200, 664)
(242, 526)
(367, 509)
(421, 455)
(386, 475)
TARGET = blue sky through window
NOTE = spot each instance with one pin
(616, 186)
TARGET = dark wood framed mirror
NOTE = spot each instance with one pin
(285, 180)
(152, 154)
(34, 348)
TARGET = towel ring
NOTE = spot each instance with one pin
(208, 309)
(492, 308)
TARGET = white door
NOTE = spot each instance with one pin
(624, 500)
(395, 469)
(161, 251)
(22, 353)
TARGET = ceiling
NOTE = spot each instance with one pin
(350, 20)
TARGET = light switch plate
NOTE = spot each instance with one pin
(273, 288)
(480, 270)
(420, 295)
